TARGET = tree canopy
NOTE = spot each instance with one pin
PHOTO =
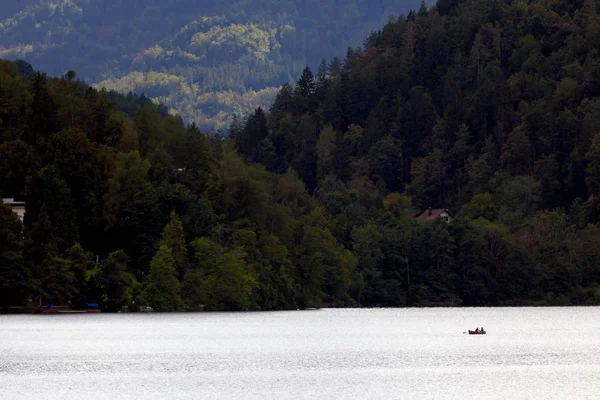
(205, 60)
(486, 108)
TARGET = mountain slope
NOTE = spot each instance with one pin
(175, 216)
(204, 59)
(489, 108)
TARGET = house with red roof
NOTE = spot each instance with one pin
(432, 214)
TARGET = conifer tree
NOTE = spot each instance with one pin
(173, 238)
(44, 111)
(306, 84)
(161, 288)
(305, 91)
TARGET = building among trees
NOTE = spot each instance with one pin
(18, 207)
(434, 213)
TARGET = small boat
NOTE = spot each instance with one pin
(476, 332)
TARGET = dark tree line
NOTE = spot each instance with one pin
(487, 108)
(128, 207)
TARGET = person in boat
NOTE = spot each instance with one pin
(476, 329)
(482, 330)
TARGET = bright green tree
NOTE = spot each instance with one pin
(174, 239)
(229, 286)
(161, 289)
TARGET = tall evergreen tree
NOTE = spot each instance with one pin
(174, 239)
(44, 111)
(161, 287)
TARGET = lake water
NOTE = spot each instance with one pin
(528, 353)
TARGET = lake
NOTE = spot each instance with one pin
(528, 353)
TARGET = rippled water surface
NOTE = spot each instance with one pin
(528, 353)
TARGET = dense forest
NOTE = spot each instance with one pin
(205, 59)
(488, 108)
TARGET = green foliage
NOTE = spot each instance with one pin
(14, 273)
(47, 190)
(235, 40)
(488, 109)
(399, 204)
(161, 288)
(477, 107)
(126, 184)
(206, 61)
(325, 268)
(127, 187)
(114, 280)
(81, 267)
(58, 281)
(480, 206)
(174, 239)
(228, 285)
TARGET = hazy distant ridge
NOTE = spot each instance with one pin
(207, 60)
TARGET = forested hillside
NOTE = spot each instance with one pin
(488, 108)
(142, 210)
(205, 59)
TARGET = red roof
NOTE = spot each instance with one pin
(433, 213)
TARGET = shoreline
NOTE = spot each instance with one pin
(69, 312)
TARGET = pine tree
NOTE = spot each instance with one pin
(254, 132)
(173, 238)
(325, 149)
(322, 82)
(235, 128)
(422, 9)
(161, 287)
(44, 110)
(283, 103)
(335, 67)
(305, 91)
